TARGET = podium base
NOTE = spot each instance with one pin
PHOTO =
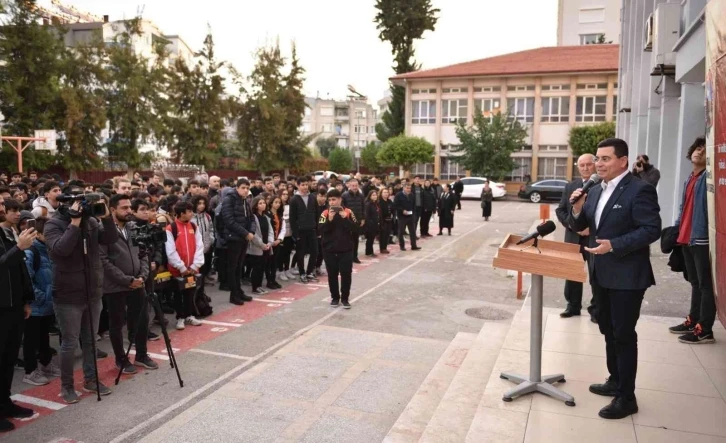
(526, 386)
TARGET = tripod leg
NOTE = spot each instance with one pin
(170, 352)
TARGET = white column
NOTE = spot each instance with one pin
(669, 151)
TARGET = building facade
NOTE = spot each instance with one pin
(549, 90)
(352, 122)
(582, 22)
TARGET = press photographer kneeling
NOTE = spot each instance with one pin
(125, 275)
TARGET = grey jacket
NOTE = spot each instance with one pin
(255, 247)
(121, 263)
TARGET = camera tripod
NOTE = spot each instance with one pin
(153, 298)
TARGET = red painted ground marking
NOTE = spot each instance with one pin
(190, 337)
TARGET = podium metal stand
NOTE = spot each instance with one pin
(541, 258)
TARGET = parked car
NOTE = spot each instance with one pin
(543, 190)
(474, 185)
(317, 175)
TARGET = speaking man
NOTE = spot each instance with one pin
(573, 289)
(623, 218)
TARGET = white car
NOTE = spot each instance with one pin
(317, 175)
(474, 185)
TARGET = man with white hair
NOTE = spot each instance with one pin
(573, 289)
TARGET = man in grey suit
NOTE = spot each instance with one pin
(573, 289)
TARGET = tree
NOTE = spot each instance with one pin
(369, 157)
(326, 145)
(584, 139)
(405, 151)
(340, 160)
(400, 23)
(486, 147)
(294, 150)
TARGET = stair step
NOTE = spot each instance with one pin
(453, 417)
(410, 425)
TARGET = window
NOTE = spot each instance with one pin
(372, 130)
(359, 129)
(522, 108)
(615, 108)
(326, 111)
(488, 89)
(454, 111)
(454, 90)
(590, 109)
(327, 127)
(592, 86)
(550, 148)
(423, 112)
(555, 109)
(520, 88)
(487, 105)
(590, 39)
(522, 171)
(359, 143)
(424, 91)
(305, 128)
(552, 168)
(343, 142)
(425, 170)
(555, 87)
(360, 114)
(450, 169)
(308, 111)
(341, 112)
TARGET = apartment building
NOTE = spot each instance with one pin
(352, 122)
(549, 90)
(582, 22)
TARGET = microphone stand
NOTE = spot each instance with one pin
(533, 245)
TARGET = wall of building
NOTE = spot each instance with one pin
(577, 18)
(339, 119)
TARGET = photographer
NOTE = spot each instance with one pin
(76, 289)
(645, 171)
(125, 275)
(339, 228)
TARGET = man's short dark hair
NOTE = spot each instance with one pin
(334, 193)
(48, 186)
(700, 142)
(645, 157)
(435, 178)
(182, 207)
(168, 182)
(618, 145)
(323, 190)
(193, 182)
(12, 205)
(417, 176)
(138, 203)
(303, 179)
(204, 185)
(268, 179)
(275, 175)
(176, 188)
(16, 174)
(243, 181)
(116, 199)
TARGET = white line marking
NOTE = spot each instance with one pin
(219, 354)
(47, 404)
(236, 370)
(264, 300)
(220, 323)
(153, 355)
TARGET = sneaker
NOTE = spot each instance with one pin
(100, 354)
(303, 279)
(684, 328)
(153, 336)
(282, 276)
(36, 378)
(335, 303)
(50, 370)
(294, 272)
(69, 396)
(259, 291)
(180, 324)
(697, 337)
(289, 274)
(146, 362)
(346, 305)
(90, 386)
(312, 278)
(191, 320)
(13, 410)
(128, 368)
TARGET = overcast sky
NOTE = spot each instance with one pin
(337, 40)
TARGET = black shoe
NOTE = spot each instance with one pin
(697, 337)
(53, 351)
(415, 248)
(619, 408)
(6, 425)
(684, 328)
(371, 255)
(153, 336)
(569, 313)
(303, 279)
(346, 305)
(100, 355)
(53, 331)
(593, 319)
(236, 301)
(440, 233)
(312, 278)
(334, 303)
(245, 297)
(355, 260)
(606, 389)
(12, 410)
(449, 233)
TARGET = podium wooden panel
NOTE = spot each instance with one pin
(556, 259)
(541, 258)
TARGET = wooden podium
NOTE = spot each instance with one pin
(541, 258)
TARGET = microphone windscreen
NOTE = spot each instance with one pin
(595, 178)
(546, 228)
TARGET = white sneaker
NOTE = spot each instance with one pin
(294, 272)
(52, 370)
(36, 378)
(281, 276)
(179, 324)
(191, 320)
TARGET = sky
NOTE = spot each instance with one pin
(337, 40)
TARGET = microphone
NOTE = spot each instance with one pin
(594, 180)
(543, 230)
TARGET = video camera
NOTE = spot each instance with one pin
(92, 205)
(149, 236)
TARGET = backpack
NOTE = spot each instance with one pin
(202, 306)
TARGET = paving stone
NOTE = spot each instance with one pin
(347, 342)
(381, 390)
(333, 428)
(414, 352)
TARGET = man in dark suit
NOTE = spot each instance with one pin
(623, 217)
(573, 289)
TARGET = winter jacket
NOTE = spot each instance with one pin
(121, 263)
(403, 202)
(237, 217)
(257, 243)
(373, 218)
(337, 235)
(650, 174)
(303, 217)
(65, 247)
(42, 279)
(187, 251)
(219, 231)
(458, 187)
(16, 288)
(429, 199)
(699, 220)
(206, 228)
(355, 201)
(386, 210)
(43, 208)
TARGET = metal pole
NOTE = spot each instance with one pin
(20, 156)
(535, 334)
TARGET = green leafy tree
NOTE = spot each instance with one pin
(405, 151)
(340, 160)
(369, 157)
(294, 149)
(584, 139)
(486, 147)
(401, 23)
(326, 145)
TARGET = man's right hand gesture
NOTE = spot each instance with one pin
(250, 236)
(25, 239)
(579, 202)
